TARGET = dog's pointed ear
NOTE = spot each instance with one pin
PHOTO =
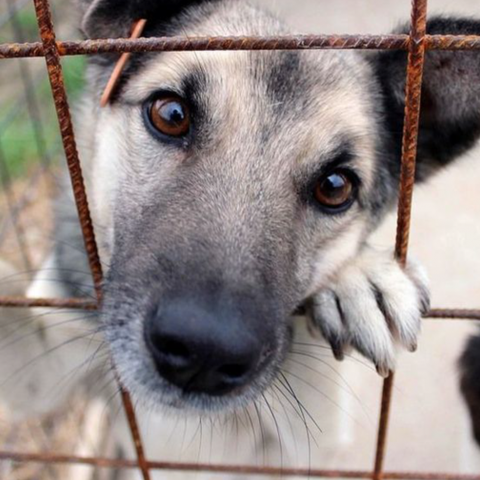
(450, 115)
(114, 18)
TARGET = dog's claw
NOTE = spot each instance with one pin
(383, 371)
(337, 352)
(372, 305)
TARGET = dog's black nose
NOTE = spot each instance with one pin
(202, 350)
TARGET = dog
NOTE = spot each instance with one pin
(229, 188)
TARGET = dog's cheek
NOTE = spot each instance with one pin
(104, 182)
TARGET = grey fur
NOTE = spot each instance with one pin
(229, 211)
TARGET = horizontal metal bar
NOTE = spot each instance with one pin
(453, 313)
(79, 303)
(102, 462)
(289, 42)
(73, 303)
(87, 304)
(209, 43)
(452, 42)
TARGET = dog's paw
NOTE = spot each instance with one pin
(372, 305)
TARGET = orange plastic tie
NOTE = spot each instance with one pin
(137, 31)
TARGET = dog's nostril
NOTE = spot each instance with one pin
(175, 349)
(233, 372)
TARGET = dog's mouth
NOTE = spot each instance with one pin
(154, 389)
(199, 395)
(215, 372)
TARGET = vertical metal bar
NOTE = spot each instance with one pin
(416, 58)
(55, 74)
(130, 412)
(52, 58)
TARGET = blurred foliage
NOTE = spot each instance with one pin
(17, 127)
(18, 138)
(28, 21)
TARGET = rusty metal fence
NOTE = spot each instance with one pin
(417, 43)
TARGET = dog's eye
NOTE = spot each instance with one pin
(336, 190)
(170, 116)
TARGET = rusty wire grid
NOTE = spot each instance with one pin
(416, 44)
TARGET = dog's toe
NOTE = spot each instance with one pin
(373, 305)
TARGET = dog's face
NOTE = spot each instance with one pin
(231, 186)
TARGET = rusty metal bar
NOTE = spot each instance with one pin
(453, 313)
(285, 42)
(73, 303)
(55, 75)
(121, 463)
(132, 422)
(416, 59)
(52, 58)
(102, 462)
(452, 42)
(86, 304)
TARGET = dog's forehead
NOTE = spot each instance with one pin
(319, 98)
(320, 80)
(328, 87)
(274, 102)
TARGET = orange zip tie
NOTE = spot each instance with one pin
(137, 30)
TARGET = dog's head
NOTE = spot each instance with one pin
(232, 185)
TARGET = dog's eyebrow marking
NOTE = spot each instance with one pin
(341, 155)
(284, 79)
(193, 84)
(190, 87)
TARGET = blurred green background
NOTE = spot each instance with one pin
(25, 89)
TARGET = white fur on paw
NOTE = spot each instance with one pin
(373, 305)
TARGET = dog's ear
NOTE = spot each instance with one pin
(114, 18)
(450, 116)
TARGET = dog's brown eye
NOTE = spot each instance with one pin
(170, 116)
(335, 190)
